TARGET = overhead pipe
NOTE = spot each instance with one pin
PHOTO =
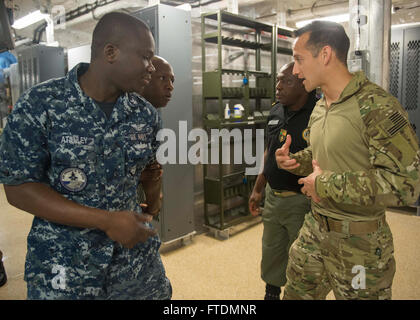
(318, 11)
(310, 13)
(100, 11)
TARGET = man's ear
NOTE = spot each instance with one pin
(111, 52)
(326, 54)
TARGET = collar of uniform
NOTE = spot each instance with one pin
(134, 100)
(130, 100)
(356, 82)
(72, 83)
(127, 101)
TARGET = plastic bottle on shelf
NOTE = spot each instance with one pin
(227, 111)
(238, 111)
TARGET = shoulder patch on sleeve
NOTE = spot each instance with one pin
(381, 112)
(394, 123)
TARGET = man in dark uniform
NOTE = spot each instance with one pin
(285, 206)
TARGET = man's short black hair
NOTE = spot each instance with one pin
(326, 33)
(115, 27)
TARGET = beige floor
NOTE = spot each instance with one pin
(209, 268)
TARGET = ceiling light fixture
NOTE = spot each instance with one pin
(29, 19)
(185, 6)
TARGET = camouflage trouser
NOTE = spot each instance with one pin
(353, 266)
(282, 218)
(94, 267)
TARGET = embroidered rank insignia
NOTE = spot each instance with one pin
(282, 135)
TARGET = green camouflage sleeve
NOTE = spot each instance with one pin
(394, 155)
(304, 158)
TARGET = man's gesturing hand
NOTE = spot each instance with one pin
(254, 203)
(308, 188)
(127, 228)
(282, 156)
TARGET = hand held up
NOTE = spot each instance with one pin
(282, 156)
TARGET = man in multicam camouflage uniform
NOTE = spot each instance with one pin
(363, 156)
(72, 154)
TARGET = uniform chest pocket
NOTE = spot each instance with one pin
(136, 140)
(273, 127)
(80, 156)
(74, 169)
(136, 159)
(138, 152)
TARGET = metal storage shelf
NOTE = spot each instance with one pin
(243, 21)
(230, 218)
(225, 124)
(252, 72)
(229, 41)
(237, 92)
(218, 191)
(228, 194)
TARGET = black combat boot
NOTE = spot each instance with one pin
(272, 292)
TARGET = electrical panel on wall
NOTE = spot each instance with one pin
(39, 63)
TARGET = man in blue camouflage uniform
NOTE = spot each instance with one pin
(158, 92)
(72, 154)
(363, 156)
